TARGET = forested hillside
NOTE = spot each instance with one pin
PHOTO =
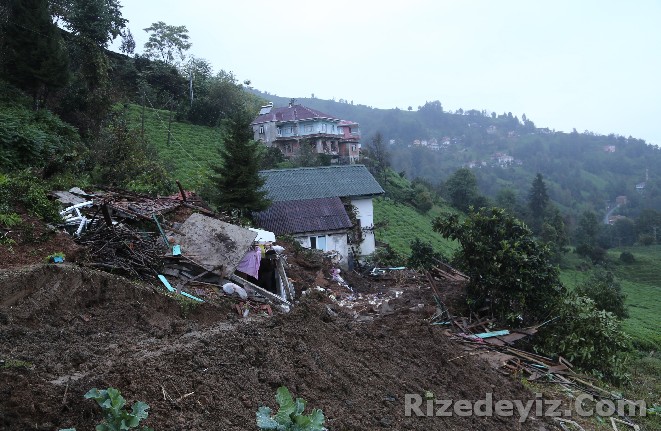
(583, 170)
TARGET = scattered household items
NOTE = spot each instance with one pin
(178, 241)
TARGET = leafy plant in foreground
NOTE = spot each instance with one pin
(116, 417)
(290, 415)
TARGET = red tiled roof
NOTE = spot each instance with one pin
(291, 113)
(310, 215)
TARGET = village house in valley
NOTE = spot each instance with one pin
(311, 205)
(290, 127)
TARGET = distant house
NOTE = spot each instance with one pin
(491, 129)
(640, 186)
(290, 127)
(609, 148)
(621, 200)
(302, 195)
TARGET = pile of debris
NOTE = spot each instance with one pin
(177, 240)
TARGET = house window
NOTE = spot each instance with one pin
(291, 130)
(318, 242)
(261, 130)
(308, 128)
(279, 131)
(353, 148)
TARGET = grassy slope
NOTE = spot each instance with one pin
(404, 224)
(191, 149)
(641, 281)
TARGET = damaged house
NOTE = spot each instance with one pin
(314, 205)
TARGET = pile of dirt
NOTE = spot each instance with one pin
(64, 330)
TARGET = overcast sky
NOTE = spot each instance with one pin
(589, 65)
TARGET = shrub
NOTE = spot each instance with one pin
(510, 272)
(606, 292)
(290, 415)
(591, 339)
(422, 255)
(27, 191)
(627, 257)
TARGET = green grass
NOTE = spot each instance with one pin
(191, 149)
(404, 224)
(641, 282)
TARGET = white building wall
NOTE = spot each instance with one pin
(334, 242)
(366, 217)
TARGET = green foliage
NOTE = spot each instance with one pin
(422, 255)
(627, 257)
(590, 338)
(116, 417)
(397, 223)
(122, 159)
(605, 291)
(510, 272)
(538, 198)
(167, 43)
(34, 58)
(461, 190)
(99, 21)
(36, 139)
(23, 190)
(238, 185)
(289, 416)
(385, 256)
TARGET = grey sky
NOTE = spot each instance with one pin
(592, 65)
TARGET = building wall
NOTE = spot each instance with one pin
(334, 242)
(366, 217)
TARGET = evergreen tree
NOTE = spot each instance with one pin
(538, 198)
(33, 58)
(238, 185)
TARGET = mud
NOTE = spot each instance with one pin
(64, 330)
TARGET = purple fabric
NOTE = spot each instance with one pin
(250, 263)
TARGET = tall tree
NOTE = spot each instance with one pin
(33, 58)
(538, 198)
(461, 189)
(378, 157)
(167, 43)
(99, 21)
(238, 185)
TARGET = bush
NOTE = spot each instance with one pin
(384, 256)
(591, 339)
(26, 191)
(510, 272)
(627, 257)
(606, 292)
(423, 255)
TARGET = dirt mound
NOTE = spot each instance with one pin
(64, 330)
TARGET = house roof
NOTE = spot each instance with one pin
(321, 182)
(291, 113)
(301, 216)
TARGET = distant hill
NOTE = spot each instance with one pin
(582, 170)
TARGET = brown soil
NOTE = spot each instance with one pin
(75, 329)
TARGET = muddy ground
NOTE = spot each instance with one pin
(66, 329)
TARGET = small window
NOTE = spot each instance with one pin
(318, 242)
(353, 148)
(313, 242)
(261, 130)
(279, 131)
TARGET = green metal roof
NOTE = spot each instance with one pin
(321, 182)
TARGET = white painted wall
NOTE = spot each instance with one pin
(334, 242)
(366, 217)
